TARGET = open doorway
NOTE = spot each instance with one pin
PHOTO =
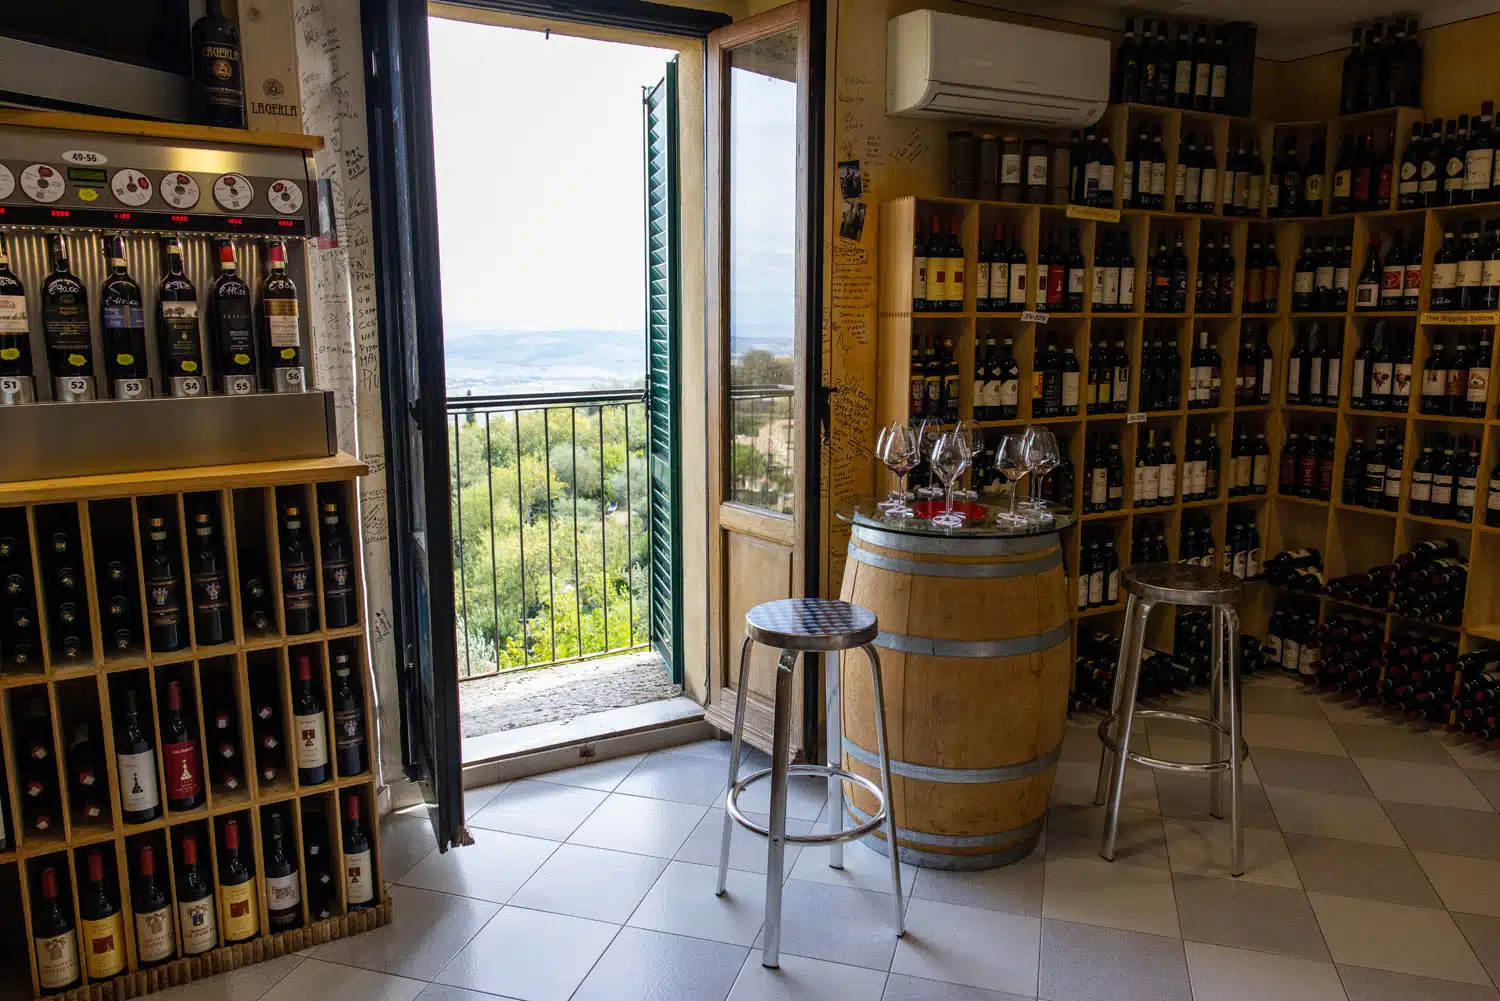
(556, 207)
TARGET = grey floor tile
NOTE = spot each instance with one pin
(679, 778)
(1483, 934)
(405, 840)
(682, 902)
(1362, 984)
(864, 868)
(1355, 869)
(1248, 916)
(635, 824)
(538, 809)
(899, 987)
(245, 984)
(970, 946)
(1280, 702)
(1089, 963)
(1328, 815)
(1488, 784)
(1186, 796)
(799, 978)
(331, 982)
(1446, 830)
(1223, 974)
(442, 992)
(805, 796)
(479, 797)
(1078, 831)
(492, 868)
(426, 931)
(528, 955)
(1015, 888)
(747, 850)
(652, 966)
(1418, 941)
(601, 775)
(1382, 740)
(1309, 772)
(590, 883)
(837, 924)
(1419, 782)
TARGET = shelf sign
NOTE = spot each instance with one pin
(1139, 417)
(1032, 316)
(1449, 319)
(1090, 212)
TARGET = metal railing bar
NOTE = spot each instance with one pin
(551, 587)
(603, 536)
(458, 503)
(630, 524)
(521, 520)
(577, 581)
(538, 401)
(489, 472)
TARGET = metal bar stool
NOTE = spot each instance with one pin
(795, 625)
(1177, 584)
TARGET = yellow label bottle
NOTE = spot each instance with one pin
(104, 946)
(237, 909)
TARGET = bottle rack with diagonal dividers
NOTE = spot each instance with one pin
(252, 666)
(1350, 538)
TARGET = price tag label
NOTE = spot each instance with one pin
(1032, 316)
(1090, 212)
(1139, 417)
(1476, 319)
(84, 156)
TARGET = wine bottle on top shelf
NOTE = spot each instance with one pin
(155, 931)
(54, 942)
(278, 303)
(233, 332)
(163, 590)
(123, 318)
(195, 902)
(237, 888)
(177, 327)
(65, 328)
(103, 929)
(17, 380)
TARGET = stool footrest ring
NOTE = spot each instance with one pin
(1109, 740)
(822, 771)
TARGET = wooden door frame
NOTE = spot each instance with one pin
(797, 530)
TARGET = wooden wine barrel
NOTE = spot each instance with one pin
(976, 651)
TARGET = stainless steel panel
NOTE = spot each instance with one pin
(55, 74)
(48, 440)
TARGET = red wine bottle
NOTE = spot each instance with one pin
(195, 903)
(278, 305)
(163, 591)
(311, 726)
(217, 69)
(283, 886)
(348, 719)
(210, 597)
(122, 314)
(236, 888)
(155, 939)
(359, 870)
(177, 328)
(226, 762)
(140, 798)
(179, 753)
(17, 382)
(296, 575)
(338, 571)
(103, 928)
(65, 328)
(234, 339)
(53, 940)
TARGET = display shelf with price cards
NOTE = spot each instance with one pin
(178, 720)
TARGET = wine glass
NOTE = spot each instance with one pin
(1042, 456)
(927, 430)
(897, 448)
(950, 457)
(1010, 461)
(974, 435)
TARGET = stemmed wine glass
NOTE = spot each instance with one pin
(950, 457)
(1042, 456)
(927, 430)
(1010, 461)
(974, 435)
(897, 448)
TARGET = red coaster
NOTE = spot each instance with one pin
(933, 508)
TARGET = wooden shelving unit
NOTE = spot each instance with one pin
(1350, 538)
(111, 515)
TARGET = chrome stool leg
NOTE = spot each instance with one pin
(734, 765)
(1106, 759)
(1216, 713)
(833, 709)
(885, 788)
(781, 753)
(1236, 746)
(1136, 614)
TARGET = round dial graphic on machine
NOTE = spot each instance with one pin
(285, 196)
(233, 191)
(131, 187)
(7, 181)
(179, 190)
(43, 183)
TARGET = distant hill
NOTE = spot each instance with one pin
(486, 362)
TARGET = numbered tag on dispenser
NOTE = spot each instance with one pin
(132, 389)
(239, 385)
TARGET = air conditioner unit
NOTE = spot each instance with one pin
(948, 66)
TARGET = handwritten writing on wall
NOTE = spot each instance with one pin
(346, 355)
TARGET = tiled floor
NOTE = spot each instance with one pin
(1374, 875)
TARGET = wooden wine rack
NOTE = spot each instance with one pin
(1350, 538)
(248, 498)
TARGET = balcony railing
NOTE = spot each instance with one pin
(552, 535)
(762, 457)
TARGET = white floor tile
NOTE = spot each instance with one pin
(1328, 815)
(1096, 892)
(1075, 781)
(1467, 885)
(805, 795)
(1416, 782)
(1223, 974)
(591, 883)
(1395, 937)
(331, 982)
(248, 983)
(426, 931)
(1016, 888)
(1291, 733)
(652, 966)
(679, 778)
(747, 850)
(864, 868)
(492, 868)
(803, 979)
(1078, 832)
(970, 946)
(526, 955)
(601, 775)
(643, 826)
(1202, 847)
(682, 902)
(538, 809)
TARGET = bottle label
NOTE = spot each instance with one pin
(1107, 180)
(1421, 486)
(57, 960)
(236, 342)
(918, 278)
(283, 893)
(982, 284)
(1444, 275)
(1159, 179)
(1126, 294)
(1112, 587)
(312, 741)
(1099, 486)
(1467, 487)
(1017, 284)
(1167, 480)
(1010, 392)
(1307, 657)
(1149, 482)
(1469, 272)
(138, 789)
(1273, 649)
(1096, 588)
(1342, 182)
(1183, 80)
(999, 283)
(153, 935)
(1260, 475)
(1070, 386)
(1010, 168)
(1294, 380)
(218, 74)
(1314, 188)
(348, 729)
(281, 322)
(181, 762)
(1111, 286)
(1489, 273)
(237, 902)
(1290, 653)
(1208, 190)
(200, 931)
(1036, 171)
(1303, 282)
(1083, 590)
(124, 316)
(1492, 499)
(13, 318)
(1381, 377)
(1442, 491)
(1479, 384)
(1401, 380)
(163, 601)
(65, 320)
(298, 576)
(104, 946)
(1479, 165)
(1323, 276)
(359, 878)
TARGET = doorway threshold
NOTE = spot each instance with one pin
(598, 736)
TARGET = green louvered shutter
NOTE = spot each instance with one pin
(663, 270)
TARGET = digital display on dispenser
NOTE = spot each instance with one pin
(88, 176)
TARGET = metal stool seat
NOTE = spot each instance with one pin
(796, 625)
(1146, 586)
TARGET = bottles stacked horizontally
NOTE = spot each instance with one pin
(67, 600)
(1381, 371)
(1466, 269)
(1103, 475)
(1320, 277)
(88, 787)
(1476, 710)
(41, 800)
(269, 753)
(1192, 648)
(1373, 473)
(1306, 465)
(1295, 569)
(1348, 646)
(20, 636)
(1108, 388)
(1262, 276)
(1167, 276)
(1249, 465)
(1362, 174)
(1450, 163)
(1455, 378)
(1420, 679)
(1294, 187)
(1383, 68)
(1098, 570)
(934, 394)
(938, 277)
(997, 390)
(1426, 582)
(1194, 73)
(1391, 278)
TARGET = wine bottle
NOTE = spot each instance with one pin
(177, 327)
(53, 940)
(312, 734)
(140, 797)
(17, 382)
(85, 774)
(179, 753)
(65, 326)
(278, 304)
(257, 605)
(195, 903)
(226, 761)
(210, 597)
(348, 719)
(103, 928)
(217, 70)
(155, 936)
(163, 591)
(236, 889)
(283, 886)
(359, 869)
(234, 339)
(296, 575)
(123, 317)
